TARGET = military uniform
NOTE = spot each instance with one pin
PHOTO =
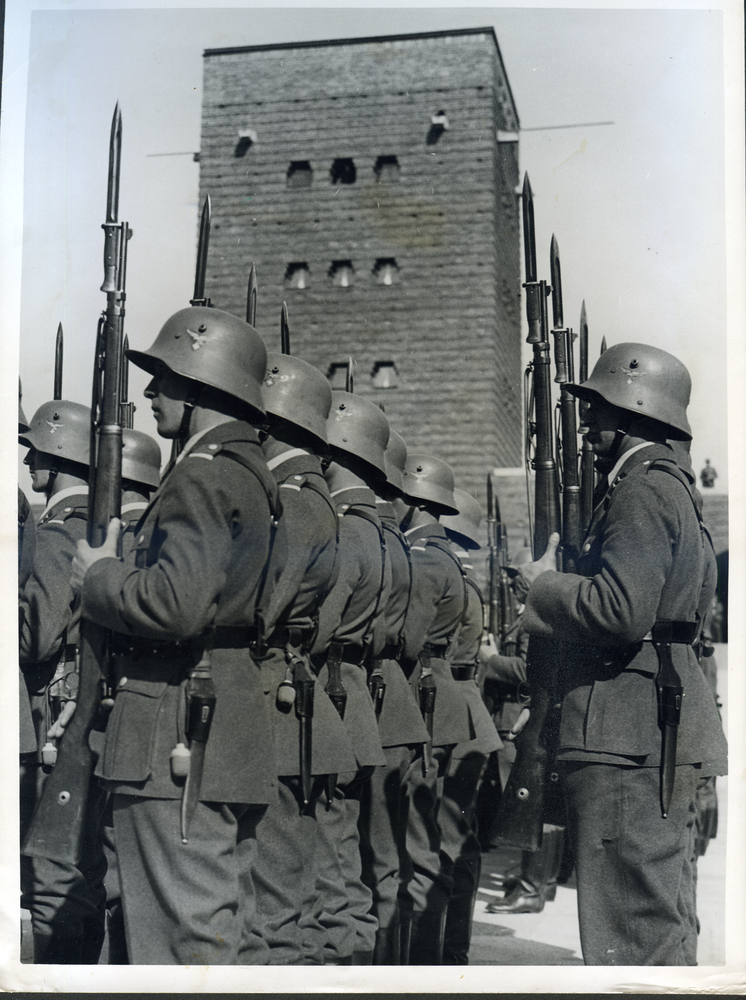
(284, 873)
(435, 610)
(383, 816)
(348, 617)
(66, 902)
(643, 561)
(26, 544)
(460, 847)
(196, 566)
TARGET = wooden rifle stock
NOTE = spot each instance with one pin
(61, 820)
(493, 611)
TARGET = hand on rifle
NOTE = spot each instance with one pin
(519, 723)
(488, 649)
(548, 561)
(86, 556)
(68, 710)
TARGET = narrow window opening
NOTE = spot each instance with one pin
(296, 275)
(387, 169)
(386, 271)
(337, 374)
(342, 273)
(343, 171)
(300, 174)
(438, 125)
(384, 375)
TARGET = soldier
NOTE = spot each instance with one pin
(436, 608)
(66, 902)
(26, 541)
(187, 597)
(358, 433)
(645, 580)
(457, 817)
(297, 399)
(383, 813)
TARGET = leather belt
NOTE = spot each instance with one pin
(464, 673)
(281, 637)
(518, 694)
(353, 653)
(391, 651)
(435, 652)
(223, 637)
(681, 633)
(70, 652)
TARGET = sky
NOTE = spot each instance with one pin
(648, 213)
(638, 207)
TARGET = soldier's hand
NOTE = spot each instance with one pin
(488, 648)
(85, 556)
(547, 562)
(519, 723)
(68, 710)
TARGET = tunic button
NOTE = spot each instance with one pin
(212, 447)
(68, 509)
(587, 547)
(141, 539)
(297, 477)
(122, 682)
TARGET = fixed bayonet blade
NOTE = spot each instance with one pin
(59, 348)
(349, 380)
(556, 272)
(251, 298)
(603, 345)
(203, 247)
(115, 156)
(583, 344)
(490, 499)
(284, 330)
(529, 233)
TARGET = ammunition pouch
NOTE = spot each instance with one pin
(391, 651)
(377, 684)
(679, 633)
(435, 652)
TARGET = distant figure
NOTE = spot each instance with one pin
(708, 475)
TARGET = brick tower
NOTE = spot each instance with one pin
(373, 182)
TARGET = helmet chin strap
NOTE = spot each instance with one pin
(621, 432)
(189, 403)
(407, 519)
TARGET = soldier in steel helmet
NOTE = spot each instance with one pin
(66, 902)
(26, 540)
(436, 608)
(383, 812)
(188, 595)
(297, 399)
(457, 816)
(646, 578)
(357, 433)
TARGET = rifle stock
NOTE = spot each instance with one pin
(58, 828)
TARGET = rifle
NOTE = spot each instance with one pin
(59, 348)
(59, 823)
(520, 817)
(587, 471)
(493, 610)
(507, 603)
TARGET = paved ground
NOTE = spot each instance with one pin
(551, 937)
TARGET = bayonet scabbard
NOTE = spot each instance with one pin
(670, 694)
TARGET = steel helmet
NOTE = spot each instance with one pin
(395, 458)
(464, 526)
(431, 479)
(644, 380)
(212, 347)
(521, 557)
(360, 428)
(141, 458)
(22, 422)
(62, 429)
(297, 392)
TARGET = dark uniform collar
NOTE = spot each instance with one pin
(651, 452)
(385, 510)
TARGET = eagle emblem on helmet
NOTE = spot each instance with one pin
(200, 339)
(53, 425)
(631, 374)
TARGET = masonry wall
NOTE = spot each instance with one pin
(448, 218)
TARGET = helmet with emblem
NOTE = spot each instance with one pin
(141, 458)
(521, 558)
(644, 380)
(22, 422)
(395, 458)
(297, 392)
(62, 429)
(358, 427)
(430, 479)
(463, 528)
(212, 347)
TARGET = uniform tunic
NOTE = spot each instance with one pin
(26, 540)
(644, 560)
(197, 562)
(66, 902)
(283, 868)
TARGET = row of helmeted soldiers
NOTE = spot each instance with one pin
(319, 573)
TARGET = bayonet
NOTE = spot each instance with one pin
(284, 330)
(58, 353)
(603, 345)
(203, 247)
(251, 298)
(128, 408)
(349, 378)
(587, 469)
(670, 693)
(201, 699)
(533, 290)
(494, 569)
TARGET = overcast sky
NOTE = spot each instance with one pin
(637, 206)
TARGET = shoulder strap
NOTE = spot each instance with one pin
(442, 545)
(398, 535)
(372, 519)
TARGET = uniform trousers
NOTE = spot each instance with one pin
(425, 885)
(341, 922)
(187, 904)
(635, 870)
(284, 874)
(461, 855)
(383, 824)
